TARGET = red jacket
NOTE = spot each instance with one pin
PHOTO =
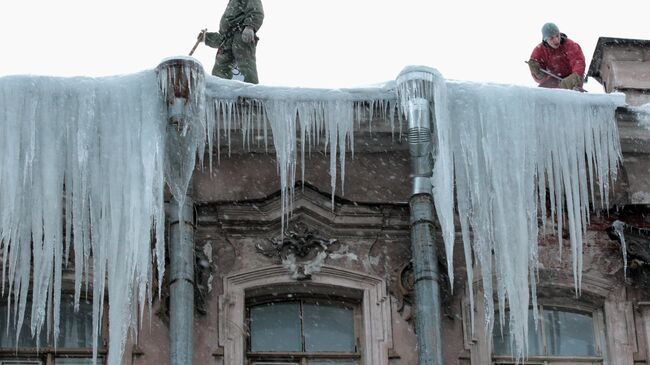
(561, 61)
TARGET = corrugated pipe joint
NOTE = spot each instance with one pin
(420, 145)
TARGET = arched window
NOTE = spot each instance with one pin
(337, 317)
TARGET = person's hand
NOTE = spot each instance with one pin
(248, 34)
(570, 82)
(536, 69)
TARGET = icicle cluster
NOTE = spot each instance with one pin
(506, 149)
(91, 149)
(94, 149)
(513, 148)
(308, 116)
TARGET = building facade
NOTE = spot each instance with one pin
(329, 277)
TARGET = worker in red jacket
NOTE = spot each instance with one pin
(557, 62)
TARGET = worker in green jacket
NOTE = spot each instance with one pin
(237, 39)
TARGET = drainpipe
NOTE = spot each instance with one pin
(415, 88)
(181, 82)
(181, 281)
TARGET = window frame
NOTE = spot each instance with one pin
(47, 355)
(375, 340)
(599, 339)
(301, 357)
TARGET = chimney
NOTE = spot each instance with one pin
(623, 65)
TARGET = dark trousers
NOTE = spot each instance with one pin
(240, 54)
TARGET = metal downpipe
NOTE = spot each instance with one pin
(181, 285)
(181, 80)
(428, 323)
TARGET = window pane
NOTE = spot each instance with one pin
(332, 362)
(328, 328)
(503, 344)
(569, 333)
(8, 338)
(76, 328)
(275, 327)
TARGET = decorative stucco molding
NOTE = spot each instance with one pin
(300, 249)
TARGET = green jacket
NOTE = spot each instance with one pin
(238, 15)
(241, 13)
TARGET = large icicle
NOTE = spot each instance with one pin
(283, 125)
(619, 227)
(91, 147)
(187, 111)
(509, 145)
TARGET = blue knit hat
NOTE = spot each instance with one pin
(549, 30)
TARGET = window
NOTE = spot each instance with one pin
(74, 345)
(308, 331)
(563, 336)
(332, 291)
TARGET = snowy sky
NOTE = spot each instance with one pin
(310, 43)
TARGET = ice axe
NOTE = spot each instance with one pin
(200, 39)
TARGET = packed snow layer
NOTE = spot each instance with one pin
(81, 174)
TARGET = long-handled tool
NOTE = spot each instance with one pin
(549, 73)
(200, 39)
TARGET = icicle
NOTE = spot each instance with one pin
(189, 143)
(283, 125)
(618, 229)
(339, 117)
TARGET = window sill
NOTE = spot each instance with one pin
(50, 350)
(310, 355)
(533, 360)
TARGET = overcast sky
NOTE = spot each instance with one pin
(310, 43)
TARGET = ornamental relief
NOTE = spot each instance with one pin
(300, 249)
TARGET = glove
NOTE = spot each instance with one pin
(213, 39)
(536, 70)
(570, 82)
(248, 34)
